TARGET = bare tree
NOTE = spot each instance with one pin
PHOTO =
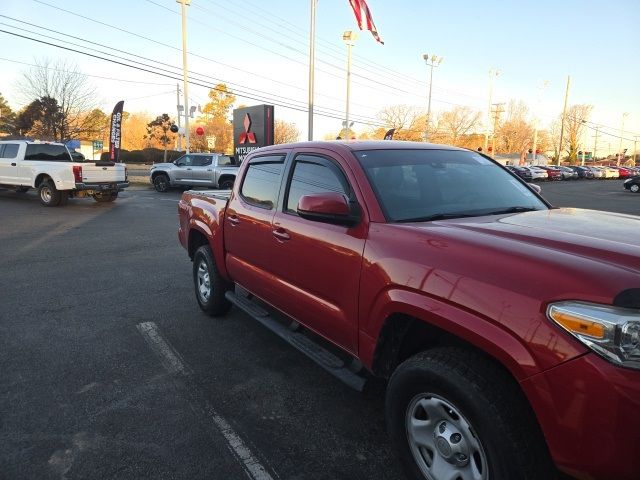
(407, 120)
(574, 122)
(285, 132)
(455, 123)
(515, 133)
(75, 97)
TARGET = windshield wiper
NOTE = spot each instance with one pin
(437, 216)
(517, 209)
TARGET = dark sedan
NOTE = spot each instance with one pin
(568, 173)
(523, 173)
(583, 172)
(633, 184)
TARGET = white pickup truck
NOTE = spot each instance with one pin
(49, 167)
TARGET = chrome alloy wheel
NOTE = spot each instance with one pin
(204, 284)
(442, 442)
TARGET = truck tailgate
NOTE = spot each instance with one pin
(92, 173)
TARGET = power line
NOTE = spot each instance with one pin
(325, 113)
(83, 74)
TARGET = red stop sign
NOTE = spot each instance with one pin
(199, 131)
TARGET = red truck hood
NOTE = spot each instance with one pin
(604, 237)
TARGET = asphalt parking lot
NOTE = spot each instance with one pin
(108, 368)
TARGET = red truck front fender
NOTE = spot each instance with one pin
(480, 332)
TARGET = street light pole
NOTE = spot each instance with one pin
(432, 61)
(535, 128)
(564, 115)
(624, 115)
(185, 73)
(493, 73)
(349, 38)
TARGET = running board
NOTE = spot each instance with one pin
(323, 357)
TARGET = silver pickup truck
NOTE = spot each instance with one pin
(195, 170)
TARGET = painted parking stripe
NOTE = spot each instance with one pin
(170, 359)
(175, 365)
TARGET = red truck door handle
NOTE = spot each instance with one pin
(233, 219)
(281, 234)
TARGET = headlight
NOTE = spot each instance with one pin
(612, 332)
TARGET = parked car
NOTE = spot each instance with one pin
(568, 173)
(610, 172)
(583, 172)
(633, 184)
(598, 172)
(211, 170)
(554, 173)
(49, 167)
(522, 172)
(538, 173)
(624, 172)
(421, 265)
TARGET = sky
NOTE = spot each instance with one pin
(260, 49)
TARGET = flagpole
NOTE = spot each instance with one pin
(312, 54)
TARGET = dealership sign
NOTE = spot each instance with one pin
(252, 128)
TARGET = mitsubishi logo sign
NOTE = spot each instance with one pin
(247, 135)
(252, 129)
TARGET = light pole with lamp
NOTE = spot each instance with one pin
(620, 152)
(349, 37)
(493, 73)
(185, 73)
(432, 61)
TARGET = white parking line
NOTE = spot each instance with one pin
(174, 364)
(170, 359)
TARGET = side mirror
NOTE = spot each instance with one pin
(329, 207)
(535, 188)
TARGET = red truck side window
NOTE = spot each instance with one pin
(312, 174)
(262, 181)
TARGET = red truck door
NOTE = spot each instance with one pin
(317, 265)
(248, 234)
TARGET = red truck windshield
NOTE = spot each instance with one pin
(421, 185)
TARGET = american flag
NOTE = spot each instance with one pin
(364, 18)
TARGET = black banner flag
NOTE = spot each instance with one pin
(115, 133)
(389, 134)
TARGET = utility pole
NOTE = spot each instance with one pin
(493, 73)
(564, 115)
(185, 73)
(178, 106)
(595, 143)
(312, 57)
(635, 140)
(620, 153)
(499, 108)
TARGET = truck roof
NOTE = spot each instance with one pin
(37, 142)
(356, 145)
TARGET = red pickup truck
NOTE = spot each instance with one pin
(507, 331)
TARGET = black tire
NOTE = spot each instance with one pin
(488, 401)
(635, 188)
(22, 189)
(103, 197)
(227, 184)
(206, 276)
(161, 183)
(50, 196)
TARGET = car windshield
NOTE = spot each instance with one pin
(421, 185)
